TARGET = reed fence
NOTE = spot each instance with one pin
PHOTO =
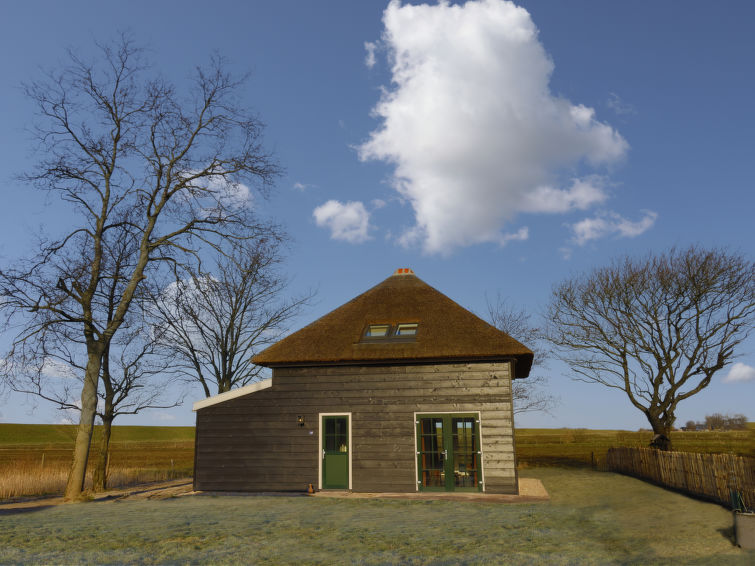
(716, 477)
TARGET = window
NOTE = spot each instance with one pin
(401, 332)
(378, 330)
(407, 329)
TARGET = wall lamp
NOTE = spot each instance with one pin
(300, 420)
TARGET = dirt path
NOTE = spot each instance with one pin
(158, 490)
(530, 491)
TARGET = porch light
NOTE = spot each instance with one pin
(300, 420)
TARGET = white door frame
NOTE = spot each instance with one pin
(319, 445)
(479, 429)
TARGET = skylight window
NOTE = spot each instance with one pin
(407, 329)
(401, 332)
(378, 331)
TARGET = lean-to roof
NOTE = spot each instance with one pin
(446, 332)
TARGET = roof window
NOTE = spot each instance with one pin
(407, 329)
(401, 332)
(377, 331)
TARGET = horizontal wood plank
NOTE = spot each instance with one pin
(253, 442)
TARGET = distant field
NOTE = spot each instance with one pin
(558, 447)
(12, 434)
(35, 458)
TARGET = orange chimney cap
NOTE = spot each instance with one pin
(403, 271)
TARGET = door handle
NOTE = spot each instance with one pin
(323, 453)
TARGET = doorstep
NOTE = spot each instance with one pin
(531, 490)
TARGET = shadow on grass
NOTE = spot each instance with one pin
(728, 534)
(24, 510)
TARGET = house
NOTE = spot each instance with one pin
(398, 390)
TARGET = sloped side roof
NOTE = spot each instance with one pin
(446, 332)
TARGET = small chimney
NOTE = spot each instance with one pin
(403, 271)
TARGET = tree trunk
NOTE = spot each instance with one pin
(77, 475)
(99, 475)
(662, 435)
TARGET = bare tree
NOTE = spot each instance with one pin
(529, 395)
(657, 328)
(129, 387)
(133, 159)
(212, 325)
(133, 375)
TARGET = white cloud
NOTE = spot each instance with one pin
(302, 186)
(233, 195)
(519, 236)
(740, 372)
(219, 189)
(164, 417)
(582, 194)
(610, 223)
(471, 127)
(369, 58)
(378, 203)
(618, 105)
(349, 222)
(46, 367)
(57, 369)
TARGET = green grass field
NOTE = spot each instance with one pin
(35, 459)
(14, 434)
(592, 518)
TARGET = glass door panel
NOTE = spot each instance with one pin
(432, 453)
(335, 452)
(448, 453)
(465, 450)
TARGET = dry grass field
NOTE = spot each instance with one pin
(34, 459)
(580, 447)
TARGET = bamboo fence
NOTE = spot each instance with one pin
(710, 476)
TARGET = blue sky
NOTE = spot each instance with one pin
(505, 151)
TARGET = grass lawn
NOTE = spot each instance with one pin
(593, 518)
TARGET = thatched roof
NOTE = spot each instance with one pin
(446, 332)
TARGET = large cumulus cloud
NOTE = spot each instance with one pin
(472, 130)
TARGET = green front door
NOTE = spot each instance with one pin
(335, 452)
(448, 453)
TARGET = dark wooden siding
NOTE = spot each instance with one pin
(253, 443)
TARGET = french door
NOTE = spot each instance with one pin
(448, 452)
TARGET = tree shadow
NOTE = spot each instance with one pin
(20, 510)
